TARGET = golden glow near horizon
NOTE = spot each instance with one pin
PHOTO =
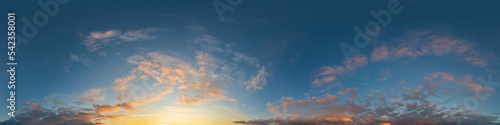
(154, 63)
(178, 115)
(346, 119)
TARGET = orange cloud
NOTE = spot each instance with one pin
(329, 99)
(113, 108)
(124, 83)
(324, 80)
(90, 96)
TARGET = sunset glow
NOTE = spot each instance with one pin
(251, 62)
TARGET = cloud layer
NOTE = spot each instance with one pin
(413, 103)
(192, 81)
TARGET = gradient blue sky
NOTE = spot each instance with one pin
(273, 60)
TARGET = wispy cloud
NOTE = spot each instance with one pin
(81, 59)
(91, 96)
(422, 43)
(211, 44)
(330, 74)
(78, 59)
(95, 40)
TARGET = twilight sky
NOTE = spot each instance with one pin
(260, 62)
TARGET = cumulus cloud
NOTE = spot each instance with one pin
(154, 75)
(380, 53)
(124, 83)
(307, 112)
(113, 108)
(36, 114)
(198, 81)
(324, 80)
(293, 121)
(408, 105)
(414, 106)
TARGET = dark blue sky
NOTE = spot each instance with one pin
(267, 59)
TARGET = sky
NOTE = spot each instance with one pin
(259, 62)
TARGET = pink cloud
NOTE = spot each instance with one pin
(329, 99)
(324, 80)
(380, 53)
(469, 82)
(329, 70)
(353, 92)
(423, 43)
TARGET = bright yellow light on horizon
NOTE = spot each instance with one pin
(346, 119)
(175, 115)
